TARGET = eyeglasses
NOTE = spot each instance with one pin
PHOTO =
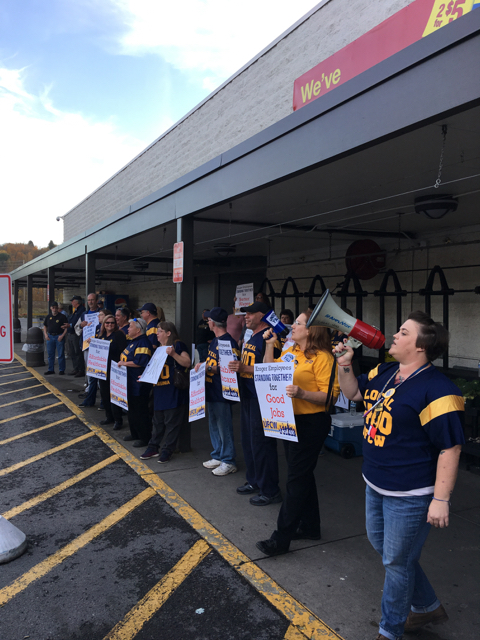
(300, 324)
(109, 322)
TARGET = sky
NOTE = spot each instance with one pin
(85, 85)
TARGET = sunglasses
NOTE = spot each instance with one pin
(109, 322)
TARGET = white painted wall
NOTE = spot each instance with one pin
(254, 99)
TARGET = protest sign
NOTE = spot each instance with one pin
(89, 330)
(98, 359)
(229, 380)
(246, 337)
(244, 297)
(118, 385)
(196, 409)
(276, 407)
(154, 367)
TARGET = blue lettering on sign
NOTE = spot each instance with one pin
(344, 324)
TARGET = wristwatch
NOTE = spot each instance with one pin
(209, 369)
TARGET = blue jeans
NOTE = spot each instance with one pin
(397, 528)
(52, 344)
(221, 431)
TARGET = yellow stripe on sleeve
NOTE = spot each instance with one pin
(151, 330)
(373, 373)
(143, 350)
(440, 407)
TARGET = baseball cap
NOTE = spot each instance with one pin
(255, 308)
(54, 304)
(149, 306)
(217, 314)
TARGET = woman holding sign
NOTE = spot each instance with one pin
(170, 403)
(314, 382)
(109, 331)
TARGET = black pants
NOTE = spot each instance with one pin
(166, 426)
(112, 411)
(76, 352)
(300, 504)
(139, 418)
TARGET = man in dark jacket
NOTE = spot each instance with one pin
(74, 345)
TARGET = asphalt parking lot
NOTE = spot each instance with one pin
(113, 551)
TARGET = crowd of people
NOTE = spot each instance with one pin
(412, 425)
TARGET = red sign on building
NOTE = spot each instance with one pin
(417, 20)
(178, 262)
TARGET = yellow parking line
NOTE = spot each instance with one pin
(297, 613)
(293, 633)
(19, 465)
(2, 384)
(29, 433)
(4, 393)
(144, 610)
(29, 413)
(9, 367)
(26, 399)
(42, 568)
(60, 487)
(6, 375)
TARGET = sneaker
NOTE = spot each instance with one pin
(272, 547)
(224, 469)
(100, 408)
(165, 456)
(418, 620)
(246, 489)
(211, 464)
(262, 501)
(150, 452)
(49, 373)
(61, 373)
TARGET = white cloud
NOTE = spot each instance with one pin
(213, 37)
(50, 160)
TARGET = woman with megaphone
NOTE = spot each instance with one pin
(314, 389)
(412, 442)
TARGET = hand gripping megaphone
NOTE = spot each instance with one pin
(328, 314)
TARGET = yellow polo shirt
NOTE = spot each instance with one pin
(312, 374)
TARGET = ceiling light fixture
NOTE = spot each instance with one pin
(224, 249)
(435, 207)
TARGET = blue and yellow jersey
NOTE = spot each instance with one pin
(213, 383)
(253, 352)
(405, 433)
(138, 351)
(151, 332)
(165, 393)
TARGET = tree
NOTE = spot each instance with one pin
(4, 256)
(51, 245)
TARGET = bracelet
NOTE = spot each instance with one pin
(440, 500)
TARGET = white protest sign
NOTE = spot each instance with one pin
(276, 407)
(118, 385)
(230, 389)
(244, 297)
(6, 322)
(246, 337)
(342, 402)
(89, 330)
(98, 358)
(196, 409)
(154, 367)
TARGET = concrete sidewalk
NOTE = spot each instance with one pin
(340, 577)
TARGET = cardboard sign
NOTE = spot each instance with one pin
(118, 385)
(276, 407)
(244, 297)
(154, 367)
(89, 330)
(229, 380)
(6, 321)
(97, 362)
(196, 407)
